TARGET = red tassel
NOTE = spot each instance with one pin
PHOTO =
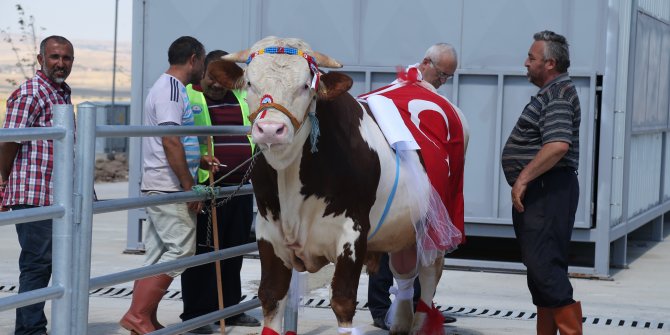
(434, 324)
(401, 74)
(268, 331)
(411, 75)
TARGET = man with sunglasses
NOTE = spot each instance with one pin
(438, 65)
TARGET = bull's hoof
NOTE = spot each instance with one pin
(398, 332)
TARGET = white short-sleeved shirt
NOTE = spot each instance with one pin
(167, 103)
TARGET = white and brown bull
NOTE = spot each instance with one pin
(320, 206)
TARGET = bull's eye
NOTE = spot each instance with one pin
(306, 87)
(249, 83)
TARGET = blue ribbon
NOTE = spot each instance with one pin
(389, 201)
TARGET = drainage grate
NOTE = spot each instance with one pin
(463, 311)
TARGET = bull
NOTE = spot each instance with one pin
(323, 182)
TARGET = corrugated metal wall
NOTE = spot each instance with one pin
(650, 113)
(645, 181)
(657, 8)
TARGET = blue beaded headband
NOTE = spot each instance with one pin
(287, 51)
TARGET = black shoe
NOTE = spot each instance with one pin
(448, 319)
(206, 329)
(379, 323)
(243, 320)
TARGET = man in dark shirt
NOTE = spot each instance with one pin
(214, 105)
(540, 160)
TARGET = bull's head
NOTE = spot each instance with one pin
(283, 83)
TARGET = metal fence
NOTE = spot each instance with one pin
(116, 114)
(72, 213)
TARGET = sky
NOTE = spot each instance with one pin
(73, 19)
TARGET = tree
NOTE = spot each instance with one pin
(25, 49)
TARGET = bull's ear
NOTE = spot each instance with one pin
(333, 84)
(237, 57)
(325, 60)
(226, 73)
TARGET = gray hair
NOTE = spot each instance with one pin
(438, 49)
(57, 39)
(556, 48)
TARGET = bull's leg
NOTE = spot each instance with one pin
(403, 267)
(345, 285)
(275, 280)
(429, 276)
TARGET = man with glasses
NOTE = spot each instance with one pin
(438, 66)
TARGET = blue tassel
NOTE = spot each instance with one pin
(314, 134)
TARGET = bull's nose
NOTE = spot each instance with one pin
(271, 129)
(269, 132)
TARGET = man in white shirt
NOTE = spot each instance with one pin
(169, 165)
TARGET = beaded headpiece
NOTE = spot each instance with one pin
(291, 51)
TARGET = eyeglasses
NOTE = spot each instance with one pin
(442, 75)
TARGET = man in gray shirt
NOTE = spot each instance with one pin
(540, 161)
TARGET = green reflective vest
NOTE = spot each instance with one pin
(201, 118)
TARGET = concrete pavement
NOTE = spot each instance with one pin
(634, 301)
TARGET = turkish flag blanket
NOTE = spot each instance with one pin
(437, 128)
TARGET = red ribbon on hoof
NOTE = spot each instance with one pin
(434, 324)
(268, 331)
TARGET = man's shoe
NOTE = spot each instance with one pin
(379, 323)
(206, 329)
(448, 319)
(243, 320)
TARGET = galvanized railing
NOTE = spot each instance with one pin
(72, 213)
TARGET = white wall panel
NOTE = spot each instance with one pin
(645, 172)
(328, 26)
(481, 161)
(498, 34)
(399, 32)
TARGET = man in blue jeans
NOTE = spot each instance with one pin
(26, 167)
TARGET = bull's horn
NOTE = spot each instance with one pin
(325, 61)
(237, 57)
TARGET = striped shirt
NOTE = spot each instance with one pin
(166, 104)
(553, 115)
(229, 150)
(31, 106)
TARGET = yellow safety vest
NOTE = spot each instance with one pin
(201, 118)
